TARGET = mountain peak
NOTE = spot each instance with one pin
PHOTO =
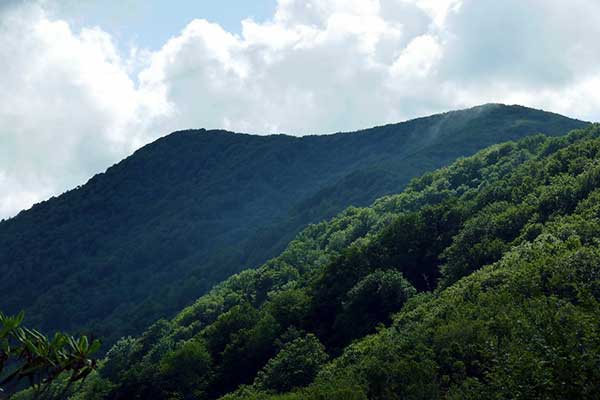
(159, 228)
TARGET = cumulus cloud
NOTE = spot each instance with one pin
(71, 103)
(68, 107)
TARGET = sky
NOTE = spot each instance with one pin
(150, 23)
(84, 83)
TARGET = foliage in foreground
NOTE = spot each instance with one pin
(480, 280)
(26, 354)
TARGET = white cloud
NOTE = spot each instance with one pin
(63, 100)
(71, 104)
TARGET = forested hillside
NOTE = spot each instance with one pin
(480, 280)
(157, 230)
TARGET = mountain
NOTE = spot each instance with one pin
(158, 229)
(479, 280)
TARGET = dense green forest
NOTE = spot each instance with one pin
(159, 229)
(479, 280)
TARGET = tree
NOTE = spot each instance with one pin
(119, 358)
(296, 365)
(185, 369)
(372, 301)
(288, 307)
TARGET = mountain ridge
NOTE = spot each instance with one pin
(158, 229)
(480, 280)
(206, 131)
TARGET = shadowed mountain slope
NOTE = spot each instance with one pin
(158, 229)
(480, 280)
